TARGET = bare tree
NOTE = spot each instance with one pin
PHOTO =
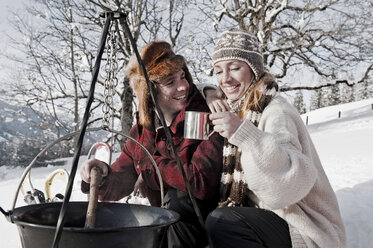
(57, 58)
(61, 42)
(329, 37)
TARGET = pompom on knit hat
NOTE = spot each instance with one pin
(238, 44)
(160, 61)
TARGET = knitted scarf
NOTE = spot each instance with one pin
(234, 190)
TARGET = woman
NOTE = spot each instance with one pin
(274, 191)
(201, 160)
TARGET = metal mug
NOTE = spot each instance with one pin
(197, 125)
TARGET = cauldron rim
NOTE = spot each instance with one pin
(14, 218)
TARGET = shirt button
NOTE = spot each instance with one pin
(164, 138)
(148, 171)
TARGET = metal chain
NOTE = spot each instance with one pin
(111, 81)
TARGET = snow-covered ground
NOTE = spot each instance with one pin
(345, 146)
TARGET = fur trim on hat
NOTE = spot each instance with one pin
(160, 62)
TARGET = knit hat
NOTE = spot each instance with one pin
(238, 44)
(160, 61)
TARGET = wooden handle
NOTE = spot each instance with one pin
(96, 178)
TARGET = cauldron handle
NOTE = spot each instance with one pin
(96, 178)
(69, 136)
(151, 159)
(5, 213)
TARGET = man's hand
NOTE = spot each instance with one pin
(85, 169)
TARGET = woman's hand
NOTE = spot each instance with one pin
(215, 103)
(225, 123)
(85, 169)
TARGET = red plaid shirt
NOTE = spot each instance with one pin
(201, 160)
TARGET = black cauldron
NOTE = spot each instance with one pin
(117, 225)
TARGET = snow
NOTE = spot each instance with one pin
(8, 119)
(345, 148)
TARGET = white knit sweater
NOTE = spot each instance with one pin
(282, 168)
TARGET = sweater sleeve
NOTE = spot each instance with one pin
(204, 86)
(274, 157)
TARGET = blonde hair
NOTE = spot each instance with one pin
(255, 97)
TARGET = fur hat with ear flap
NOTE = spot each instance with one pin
(160, 62)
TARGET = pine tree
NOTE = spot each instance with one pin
(316, 100)
(325, 97)
(370, 89)
(364, 91)
(347, 94)
(299, 102)
(335, 95)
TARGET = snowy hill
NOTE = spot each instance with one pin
(24, 131)
(18, 121)
(345, 147)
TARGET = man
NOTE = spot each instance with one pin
(201, 159)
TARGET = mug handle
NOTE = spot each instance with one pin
(213, 131)
(208, 136)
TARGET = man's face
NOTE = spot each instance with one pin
(172, 93)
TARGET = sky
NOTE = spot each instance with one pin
(6, 7)
(345, 148)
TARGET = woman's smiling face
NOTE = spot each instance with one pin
(234, 77)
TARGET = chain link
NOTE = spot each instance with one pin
(111, 81)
